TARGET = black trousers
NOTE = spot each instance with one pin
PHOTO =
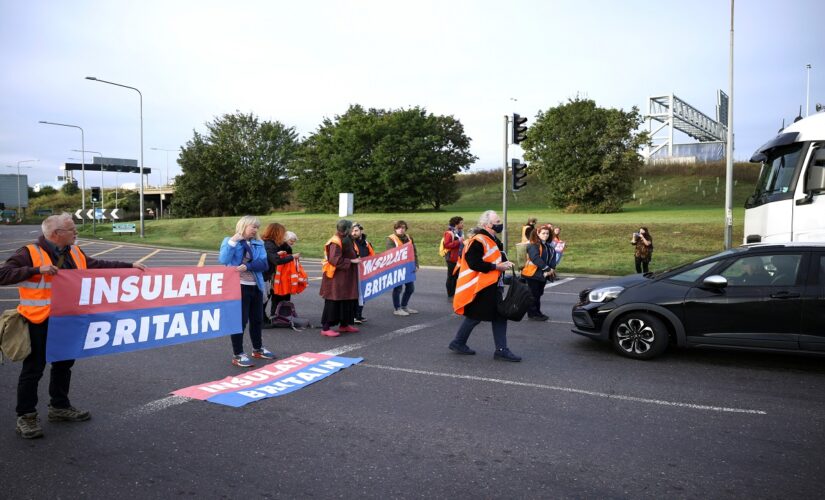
(34, 366)
(642, 264)
(252, 312)
(338, 312)
(537, 289)
(452, 279)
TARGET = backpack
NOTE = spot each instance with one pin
(442, 251)
(286, 317)
(14, 336)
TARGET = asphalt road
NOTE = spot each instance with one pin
(416, 421)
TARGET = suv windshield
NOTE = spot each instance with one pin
(778, 175)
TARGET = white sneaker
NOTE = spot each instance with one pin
(401, 312)
(410, 310)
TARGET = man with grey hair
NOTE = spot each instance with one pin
(32, 267)
(478, 291)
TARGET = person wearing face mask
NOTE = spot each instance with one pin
(540, 267)
(479, 288)
(245, 251)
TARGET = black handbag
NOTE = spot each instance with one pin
(518, 299)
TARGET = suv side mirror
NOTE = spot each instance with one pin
(715, 282)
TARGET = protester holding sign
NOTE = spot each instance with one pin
(245, 251)
(478, 291)
(364, 249)
(33, 267)
(339, 283)
(398, 238)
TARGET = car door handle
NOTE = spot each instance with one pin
(784, 295)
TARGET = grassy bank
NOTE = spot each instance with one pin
(682, 205)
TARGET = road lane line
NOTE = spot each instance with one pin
(148, 256)
(583, 392)
(108, 250)
(202, 260)
(157, 405)
(557, 283)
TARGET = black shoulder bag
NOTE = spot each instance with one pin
(518, 299)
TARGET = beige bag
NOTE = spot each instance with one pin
(14, 336)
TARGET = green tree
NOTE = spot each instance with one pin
(589, 155)
(70, 188)
(238, 167)
(391, 160)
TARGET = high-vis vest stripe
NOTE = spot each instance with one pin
(470, 282)
(370, 250)
(327, 268)
(36, 292)
(529, 267)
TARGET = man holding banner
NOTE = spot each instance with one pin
(32, 267)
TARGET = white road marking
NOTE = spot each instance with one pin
(557, 283)
(634, 399)
(107, 250)
(157, 405)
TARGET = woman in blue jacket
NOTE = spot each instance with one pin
(245, 251)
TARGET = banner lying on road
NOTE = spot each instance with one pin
(106, 311)
(385, 271)
(275, 379)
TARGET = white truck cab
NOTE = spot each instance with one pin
(789, 201)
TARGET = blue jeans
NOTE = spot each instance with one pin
(397, 300)
(252, 312)
(499, 331)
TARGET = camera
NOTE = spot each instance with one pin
(637, 235)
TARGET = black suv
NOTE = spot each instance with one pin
(764, 296)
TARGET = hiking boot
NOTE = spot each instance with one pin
(460, 348)
(70, 414)
(410, 310)
(28, 426)
(360, 321)
(263, 353)
(348, 329)
(401, 312)
(329, 333)
(242, 360)
(506, 355)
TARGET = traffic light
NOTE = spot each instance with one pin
(95, 195)
(519, 173)
(519, 128)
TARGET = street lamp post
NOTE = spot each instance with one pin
(141, 141)
(167, 160)
(82, 163)
(19, 203)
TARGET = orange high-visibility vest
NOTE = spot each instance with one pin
(36, 292)
(529, 267)
(370, 250)
(327, 268)
(471, 282)
(394, 237)
(289, 278)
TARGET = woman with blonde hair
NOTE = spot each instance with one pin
(245, 251)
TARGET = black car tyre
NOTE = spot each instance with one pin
(640, 335)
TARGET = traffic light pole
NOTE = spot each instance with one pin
(504, 169)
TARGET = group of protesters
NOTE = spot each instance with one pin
(475, 264)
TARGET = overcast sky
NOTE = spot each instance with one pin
(298, 62)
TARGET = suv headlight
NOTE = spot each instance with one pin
(604, 294)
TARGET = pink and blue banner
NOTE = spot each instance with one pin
(385, 271)
(275, 379)
(107, 311)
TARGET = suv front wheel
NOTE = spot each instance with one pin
(640, 335)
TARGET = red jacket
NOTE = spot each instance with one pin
(452, 242)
